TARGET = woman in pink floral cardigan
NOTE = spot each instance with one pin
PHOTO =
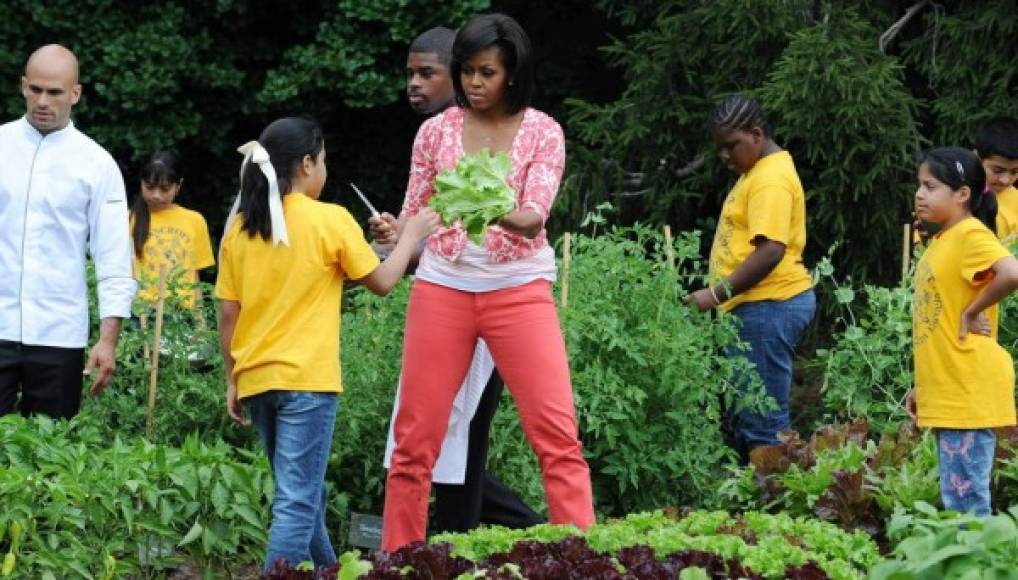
(500, 292)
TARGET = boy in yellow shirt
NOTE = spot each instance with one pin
(756, 267)
(964, 380)
(997, 147)
(283, 261)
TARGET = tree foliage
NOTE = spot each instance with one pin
(843, 109)
(202, 77)
(852, 115)
(356, 55)
(853, 89)
(652, 142)
(965, 53)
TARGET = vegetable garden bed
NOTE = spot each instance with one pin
(697, 544)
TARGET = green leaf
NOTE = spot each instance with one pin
(8, 566)
(220, 498)
(844, 295)
(248, 514)
(946, 553)
(209, 539)
(998, 530)
(693, 573)
(186, 476)
(191, 535)
(474, 192)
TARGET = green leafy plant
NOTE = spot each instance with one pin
(80, 505)
(868, 366)
(936, 545)
(839, 475)
(905, 472)
(764, 543)
(823, 476)
(190, 381)
(474, 192)
(639, 356)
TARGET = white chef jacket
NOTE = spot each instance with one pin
(58, 192)
(451, 466)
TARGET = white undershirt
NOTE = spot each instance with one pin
(474, 271)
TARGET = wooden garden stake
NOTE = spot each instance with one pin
(906, 254)
(156, 338)
(566, 241)
(143, 321)
(669, 249)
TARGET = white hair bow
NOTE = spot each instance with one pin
(254, 152)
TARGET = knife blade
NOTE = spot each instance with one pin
(374, 212)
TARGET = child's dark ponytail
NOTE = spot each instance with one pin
(142, 224)
(159, 170)
(984, 207)
(957, 167)
(287, 141)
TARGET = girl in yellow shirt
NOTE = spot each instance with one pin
(283, 261)
(167, 237)
(964, 380)
(756, 267)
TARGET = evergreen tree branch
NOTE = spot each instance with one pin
(895, 29)
(691, 167)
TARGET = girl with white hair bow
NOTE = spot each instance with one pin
(283, 260)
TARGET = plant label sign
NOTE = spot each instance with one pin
(365, 531)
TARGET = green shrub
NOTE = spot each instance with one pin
(90, 506)
(868, 366)
(858, 172)
(651, 381)
(838, 475)
(190, 392)
(936, 545)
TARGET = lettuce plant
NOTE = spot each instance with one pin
(474, 192)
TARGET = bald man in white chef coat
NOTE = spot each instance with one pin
(60, 195)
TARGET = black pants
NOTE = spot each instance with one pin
(48, 378)
(482, 498)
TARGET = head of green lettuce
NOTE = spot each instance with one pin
(475, 192)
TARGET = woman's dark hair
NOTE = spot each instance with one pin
(504, 33)
(957, 167)
(287, 141)
(159, 170)
(740, 113)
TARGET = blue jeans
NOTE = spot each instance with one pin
(966, 459)
(296, 429)
(771, 330)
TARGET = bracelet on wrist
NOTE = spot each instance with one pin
(717, 301)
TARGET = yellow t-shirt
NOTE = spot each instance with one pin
(178, 241)
(768, 201)
(287, 334)
(1007, 215)
(959, 385)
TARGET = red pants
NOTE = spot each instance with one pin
(521, 327)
